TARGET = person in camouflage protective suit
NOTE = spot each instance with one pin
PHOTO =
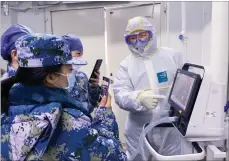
(8, 49)
(44, 122)
(88, 93)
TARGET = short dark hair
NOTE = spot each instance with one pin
(9, 59)
(27, 76)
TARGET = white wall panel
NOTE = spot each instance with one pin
(89, 26)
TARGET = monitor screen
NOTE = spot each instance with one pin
(182, 89)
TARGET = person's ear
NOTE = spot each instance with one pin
(51, 78)
(14, 54)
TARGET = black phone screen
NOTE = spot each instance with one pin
(96, 68)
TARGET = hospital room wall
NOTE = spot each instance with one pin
(198, 28)
(198, 20)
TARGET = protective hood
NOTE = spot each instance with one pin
(9, 38)
(74, 42)
(141, 23)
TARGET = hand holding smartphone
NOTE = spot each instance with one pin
(95, 69)
(106, 101)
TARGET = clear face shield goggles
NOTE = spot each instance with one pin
(141, 36)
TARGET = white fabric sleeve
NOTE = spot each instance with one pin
(124, 93)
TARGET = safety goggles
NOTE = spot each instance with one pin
(142, 36)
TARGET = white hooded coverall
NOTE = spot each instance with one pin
(132, 77)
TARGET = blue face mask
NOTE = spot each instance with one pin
(140, 46)
(71, 81)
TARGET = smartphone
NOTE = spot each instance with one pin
(105, 86)
(96, 68)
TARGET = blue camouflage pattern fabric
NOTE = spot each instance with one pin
(11, 71)
(40, 50)
(47, 124)
(83, 92)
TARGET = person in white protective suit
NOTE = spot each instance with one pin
(142, 85)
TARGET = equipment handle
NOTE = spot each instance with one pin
(196, 156)
(187, 65)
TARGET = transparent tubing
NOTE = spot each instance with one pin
(146, 131)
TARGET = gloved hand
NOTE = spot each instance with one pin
(149, 99)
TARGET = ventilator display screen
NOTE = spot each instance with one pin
(183, 96)
(182, 90)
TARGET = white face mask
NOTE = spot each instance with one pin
(71, 81)
(80, 61)
(76, 67)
